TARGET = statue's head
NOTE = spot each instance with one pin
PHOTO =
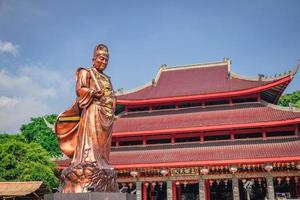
(101, 56)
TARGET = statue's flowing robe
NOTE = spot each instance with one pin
(90, 139)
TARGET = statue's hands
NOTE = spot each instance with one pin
(98, 94)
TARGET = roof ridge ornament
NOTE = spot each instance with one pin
(260, 77)
(163, 66)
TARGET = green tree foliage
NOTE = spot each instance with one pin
(9, 137)
(293, 98)
(20, 161)
(38, 132)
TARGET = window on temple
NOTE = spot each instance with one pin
(163, 107)
(138, 109)
(216, 137)
(159, 141)
(248, 135)
(244, 100)
(189, 139)
(189, 104)
(280, 133)
(130, 143)
(218, 102)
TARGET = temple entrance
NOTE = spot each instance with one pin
(155, 191)
(287, 187)
(187, 191)
(127, 188)
(220, 189)
(253, 189)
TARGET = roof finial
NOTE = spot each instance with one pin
(260, 77)
(163, 66)
(121, 90)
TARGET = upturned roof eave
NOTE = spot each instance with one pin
(254, 90)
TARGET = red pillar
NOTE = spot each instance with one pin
(150, 108)
(203, 104)
(264, 134)
(207, 190)
(145, 195)
(297, 186)
(174, 191)
(172, 139)
(144, 140)
(258, 97)
(230, 101)
(152, 192)
(202, 138)
(179, 191)
(232, 135)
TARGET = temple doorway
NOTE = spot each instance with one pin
(253, 189)
(287, 187)
(187, 191)
(220, 189)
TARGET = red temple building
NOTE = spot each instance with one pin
(203, 132)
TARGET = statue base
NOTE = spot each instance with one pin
(90, 196)
(88, 175)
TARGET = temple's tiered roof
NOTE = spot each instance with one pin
(252, 153)
(205, 155)
(202, 81)
(201, 119)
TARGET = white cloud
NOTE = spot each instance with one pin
(29, 92)
(8, 47)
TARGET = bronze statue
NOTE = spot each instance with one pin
(84, 131)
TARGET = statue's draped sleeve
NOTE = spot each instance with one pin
(83, 89)
(67, 130)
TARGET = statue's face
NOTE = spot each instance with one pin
(100, 61)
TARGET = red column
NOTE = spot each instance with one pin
(144, 140)
(202, 104)
(258, 97)
(201, 137)
(264, 134)
(150, 108)
(172, 139)
(152, 192)
(117, 142)
(207, 190)
(174, 191)
(232, 135)
(145, 195)
(179, 191)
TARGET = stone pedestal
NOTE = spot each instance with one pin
(90, 196)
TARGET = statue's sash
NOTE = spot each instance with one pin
(66, 127)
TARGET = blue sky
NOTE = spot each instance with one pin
(43, 42)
